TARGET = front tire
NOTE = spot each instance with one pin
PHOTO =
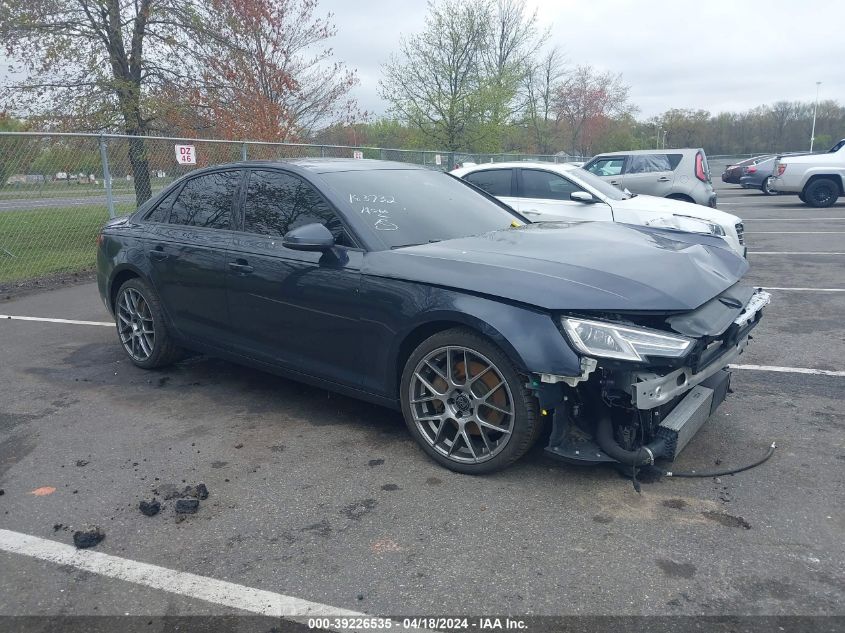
(141, 327)
(821, 193)
(466, 404)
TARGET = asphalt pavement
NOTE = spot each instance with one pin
(323, 498)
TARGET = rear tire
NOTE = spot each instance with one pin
(821, 193)
(457, 389)
(141, 326)
(767, 187)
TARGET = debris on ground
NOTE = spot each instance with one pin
(239, 445)
(172, 491)
(59, 526)
(89, 537)
(149, 508)
(375, 462)
(43, 491)
(82, 462)
(187, 506)
(2, 492)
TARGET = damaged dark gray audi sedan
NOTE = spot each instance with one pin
(409, 288)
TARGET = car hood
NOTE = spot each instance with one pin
(666, 206)
(576, 266)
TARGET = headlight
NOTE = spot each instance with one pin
(598, 338)
(687, 223)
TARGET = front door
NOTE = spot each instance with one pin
(544, 196)
(290, 308)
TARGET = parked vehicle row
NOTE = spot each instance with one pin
(733, 173)
(417, 290)
(555, 192)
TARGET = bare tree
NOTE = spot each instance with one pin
(270, 76)
(541, 84)
(586, 97)
(90, 63)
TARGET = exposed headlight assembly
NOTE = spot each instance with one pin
(609, 340)
(687, 223)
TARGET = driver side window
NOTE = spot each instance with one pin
(277, 202)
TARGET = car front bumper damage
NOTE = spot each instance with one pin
(662, 408)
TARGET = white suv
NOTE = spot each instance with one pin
(555, 192)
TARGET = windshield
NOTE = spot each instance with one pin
(401, 207)
(604, 188)
(836, 147)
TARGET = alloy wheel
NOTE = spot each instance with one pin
(461, 404)
(135, 324)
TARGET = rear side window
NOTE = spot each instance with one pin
(207, 201)
(607, 166)
(647, 163)
(544, 184)
(496, 182)
(277, 202)
(161, 211)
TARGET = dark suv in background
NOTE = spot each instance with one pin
(680, 174)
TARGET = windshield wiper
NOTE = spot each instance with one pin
(415, 244)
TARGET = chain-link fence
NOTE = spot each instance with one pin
(57, 190)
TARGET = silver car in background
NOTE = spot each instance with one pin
(680, 174)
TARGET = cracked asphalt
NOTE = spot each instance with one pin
(326, 498)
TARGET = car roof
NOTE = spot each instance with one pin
(321, 165)
(636, 152)
(514, 165)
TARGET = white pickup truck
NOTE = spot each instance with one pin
(818, 179)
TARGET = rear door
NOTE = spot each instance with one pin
(544, 196)
(608, 168)
(292, 308)
(498, 182)
(650, 174)
(186, 245)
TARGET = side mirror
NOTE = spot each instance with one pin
(583, 196)
(309, 237)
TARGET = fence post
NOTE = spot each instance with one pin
(243, 151)
(104, 157)
(322, 151)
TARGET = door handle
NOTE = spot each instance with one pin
(664, 179)
(531, 212)
(241, 267)
(614, 182)
(158, 254)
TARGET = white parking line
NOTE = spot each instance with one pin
(808, 289)
(182, 583)
(793, 253)
(790, 370)
(48, 320)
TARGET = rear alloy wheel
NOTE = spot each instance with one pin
(767, 187)
(821, 193)
(141, 327)
(465, 403)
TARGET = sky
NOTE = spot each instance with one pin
(716, 55)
